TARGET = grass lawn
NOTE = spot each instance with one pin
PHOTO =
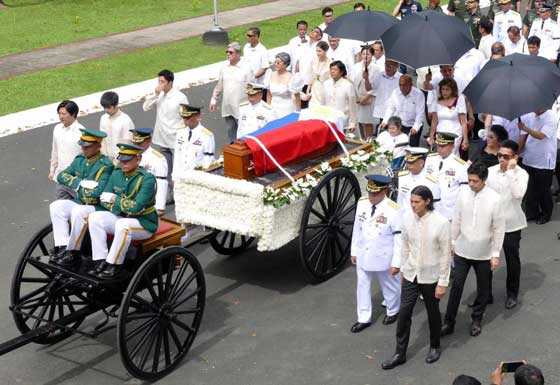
(29, 24)
(49, 86)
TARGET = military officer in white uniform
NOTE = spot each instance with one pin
(505, 18)
(376, 247)
(548, 31)
(415, 175)
(450, 170)
(154, 162)
(255, 113)
(194, 145)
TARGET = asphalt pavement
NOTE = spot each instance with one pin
(263, 323)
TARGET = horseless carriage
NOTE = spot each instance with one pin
(159, 302)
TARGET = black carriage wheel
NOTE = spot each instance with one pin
(228, 243)
(326, 225)
(40, 293)
(160, 313)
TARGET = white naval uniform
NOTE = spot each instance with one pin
(502, 21)
(408, 181)
(154, 162)
(253, 117)
(451, 173)
(193, 152)
(376, 243)
(548, 31)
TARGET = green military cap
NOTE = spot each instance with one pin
(444, 138)
(187, 111)
(90, 136)
(377, 182)
(128, 151)
(412, 154)
(254, 88)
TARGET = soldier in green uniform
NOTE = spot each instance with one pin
(458, 8)
(129, 198)
(87, 174)
(472, 19)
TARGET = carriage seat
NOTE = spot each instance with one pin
(168, 233)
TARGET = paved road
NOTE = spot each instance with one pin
(263, 323)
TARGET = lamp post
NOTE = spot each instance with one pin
(217, 35)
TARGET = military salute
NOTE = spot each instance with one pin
(376, 248)
(129, 199)
(87, 174)
(255, 113)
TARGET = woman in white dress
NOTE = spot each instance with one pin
(450, 115)
(318, 72)
(283, 87)
(360, 75)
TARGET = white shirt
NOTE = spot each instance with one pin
(541, 153)
(549, 32)
(198, 151)
(118, 129)
(257, 57)
(168, 118)
(297, 48)
(511, 186)
(383, 86)
(253, 117)
(232, 83)
(512, 47)
(343, 54)
(65, 146)
(341, 96)
(432, 98)
(502, 21)
(155, 163)
(469, 65)
(376, 240)
(409, 108)
(389, 143)
(379, 63)
(511, 126)
(407, 183)
(478, 226)
(485, 46)
(426, 248)
(305, 59)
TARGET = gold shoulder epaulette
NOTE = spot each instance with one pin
(431, 178)
(362, 198)
(267, 106)
(157, 153)
(244, 103)
(458, 159)
(206, 131)
(432, 154)
(393, 204)
(404, 172)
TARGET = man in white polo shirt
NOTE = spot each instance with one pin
(382, 86)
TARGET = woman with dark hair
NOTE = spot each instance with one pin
(361, 74)
(450, 115)
(425, 263)
(339, 94)
(488, 153)
(317, 74)
(283, 87)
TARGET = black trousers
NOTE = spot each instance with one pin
(409, 296)
(414, 140)
(513, 264)
(462, 267)
(539, 197)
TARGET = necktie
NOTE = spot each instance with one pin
(190, 134)
(440, 164)
(373, 207)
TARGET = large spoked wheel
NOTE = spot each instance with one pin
(40, 296)
(326, 225)
(228, 243)
(160, 313)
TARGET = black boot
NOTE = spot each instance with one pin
(98, 267)
(110, 272)
(69, 257)
(57, 253)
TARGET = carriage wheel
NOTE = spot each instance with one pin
(326, 225)
(160, 313)
(228, 243)
(41, 293)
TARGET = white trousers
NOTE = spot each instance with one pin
(124, 230)
(69, 220)
(390, 288)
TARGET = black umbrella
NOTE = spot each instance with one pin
(514, 85)
(427, 38)
(362, 26)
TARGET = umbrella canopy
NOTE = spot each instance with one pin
(427, 38)
(362, 26)
(514, 85)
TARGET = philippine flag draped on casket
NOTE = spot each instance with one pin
(294, 136)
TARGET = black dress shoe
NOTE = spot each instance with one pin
(396, 360)
(490, 302)
(68, 257)
(447, 329)
(433, 355)
(359, 326)
(110, 272)
(542, 220)
(389, 319)
(57, 253)
(476, 328)
(511, 303)
(98, 267)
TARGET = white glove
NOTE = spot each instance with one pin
(89, 184)
(107, 197)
